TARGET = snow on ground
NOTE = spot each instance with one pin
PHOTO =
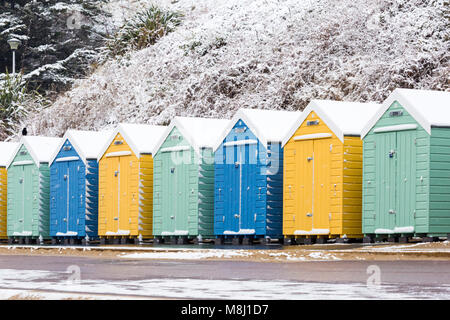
(189, 255)
(26, 280)
(270, 54)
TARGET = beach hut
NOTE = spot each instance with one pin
(126, 183)
(406, 167)
(29, 189)
(6, 151)
(74, 186)
(249, 176)
(322, 195)
(184, 180)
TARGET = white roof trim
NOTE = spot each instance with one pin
(313, 136)
(240, 142)
(399, 127)
(120, 129)
(24, 142)
(314, 107)
(73, 141)
(242, 115)
(339, 128)
(178, 123)
(401, 96)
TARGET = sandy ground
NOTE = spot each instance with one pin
(328, 252)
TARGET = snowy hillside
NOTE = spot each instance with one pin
(272, 54)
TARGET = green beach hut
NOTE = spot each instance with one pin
(183, 180)
(406, 167)
(29, 189)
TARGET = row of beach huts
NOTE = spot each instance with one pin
(337, 170)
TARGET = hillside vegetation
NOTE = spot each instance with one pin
(271, 54)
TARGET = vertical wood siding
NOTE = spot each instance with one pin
(3, 202)
(145, 218)
(91, 207)
(439, 219)
(324, 171)
(206, 194)
(352, 187)
(177, 207)
(243, 185)
(110, 218)
(413, 195)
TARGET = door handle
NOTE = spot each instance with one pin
(309, 158)
(116, 218)
(236, 216)
(309, 214)
(172, 217)
(116, 173)
(392, 211)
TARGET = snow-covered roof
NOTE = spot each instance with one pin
(41, 149)
(266, 125)
(88, 144)
(199, 132)
(6, 151)
(342, 117)
(428, 107)
(142, 138)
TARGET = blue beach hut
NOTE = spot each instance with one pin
(248, 187)
(74, 186)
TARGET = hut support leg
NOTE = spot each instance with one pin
(368, 239)
(341, 240)
(393, 239)
(430, 239)
(236, 241)
(102, 241)
(308, 241)
(10, 240)
(321, 240)
(123, 241)
(248, 241)
(403, 239)
(182, 240)
(218, 241)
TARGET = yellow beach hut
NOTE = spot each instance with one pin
(6, 152)
(126, 183)
(322, 185)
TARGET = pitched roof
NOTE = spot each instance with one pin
(428, 107)
(199, 132)
(88, 144)
(141, 138)
(342, 117)
(41, 149)
(266, 125)
(7, 149)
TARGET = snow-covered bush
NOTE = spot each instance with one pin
(15, 102)
(147, 27)
(269, 54)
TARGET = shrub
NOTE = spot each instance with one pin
(143, 30)
(15, 102)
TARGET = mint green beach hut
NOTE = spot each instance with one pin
(29, 189)
(406, 167)
(183, 181)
